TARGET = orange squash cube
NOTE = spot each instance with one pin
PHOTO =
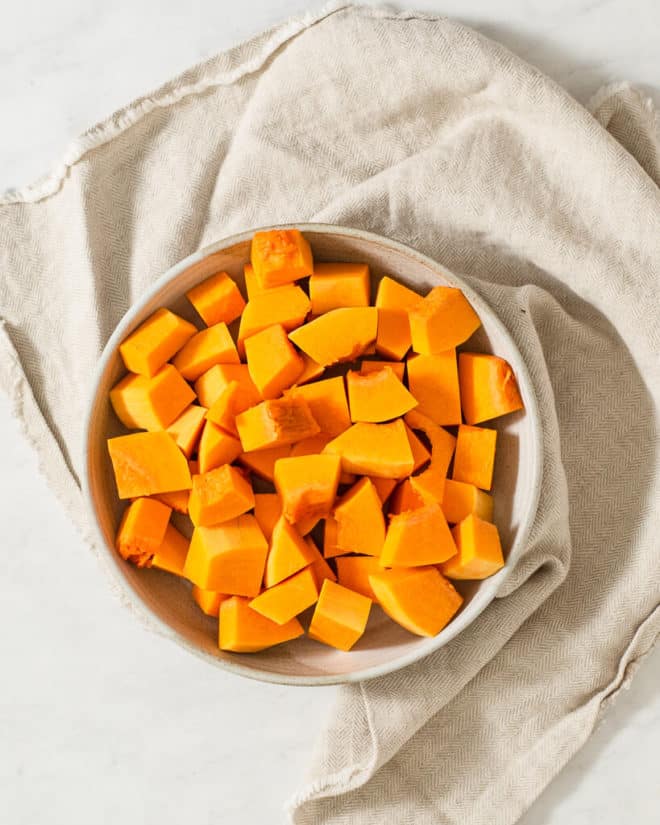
(353, 572)
(288, 598)
(219, 495)
(153, 403)
(289, 552)
(430, 484)
(330, 549)
(142, 530)
(274, 423)
(340, 616)
(381, 450)
(267, 511)
(273, 363)
(243, 630)
(148, 463)
(339, 335)
(252, 286)
(327, 403)
(311, 370)
(417, 537)
(171, 553)
(310, 446)
(217, 299)
(405, 498)
(307, 485)
(284, 305)
(421, 455)
(360, 520)
(216, 447)
(262, 462)
(187, 428)
(209, 601)
(393, 301)
(419, 598)
(479, 550)
(212, 384)
(441, 321)
(433, 380)
(204, 350)
(154, 342)
(384, 487)
(280, 256)
(475, 456)
(397, 367)
(377, 396)
(177, 500)
(319, 567)
(488, 387)
(229, 557)
(461, 499)
(339, 285)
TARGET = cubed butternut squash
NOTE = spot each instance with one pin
(319, 567)
(339, 335)
(404, 498)
(280, 256)
(327, 403)
(262, 462)
(397, 367)
(339, 285)
(289, 552)
(419, 599)
(433, 380)
(475, 456)
(479, 550)
(148, 463)
(243, 630)
(274, 423)
(353, 572)
(381, 450)
(252, 285)
(340, 616)
(272, 361)
(142, 530)
(417, 537)
(153, 403)
(204, 350)
(307, 485)
(311, 370)
(154, 342)
(330, 549)
(212, 384)
(288, 598)
(377, 396)
(217, 299)
(461, 499)
(285, 305)
(219, 495)
(360, 520)
(171, 553)
(421, 455)
(177, 500)
(216, 447)
(431, 482)
(267, 510)
(209, 601)
(488, 387)
(187, 428)
(384, 487)
(441, 321)
(393, 301)
(229, 557)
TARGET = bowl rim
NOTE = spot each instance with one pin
(448, 633)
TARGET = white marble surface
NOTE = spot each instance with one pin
(100, 721)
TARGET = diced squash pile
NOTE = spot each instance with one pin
(315, 420)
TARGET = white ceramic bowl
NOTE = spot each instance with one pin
(385, 646)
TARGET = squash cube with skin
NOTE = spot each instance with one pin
(353, 572)
(381, 450)
(488, 387)
(217, 299)
(339, 285)
(171, 553)
(418, 537)
(229, 558)
(219, 495)
(142, 530)
(208, 601)
(441, 321)
(153, 403)
(273, 363)
(262, 462)
(339, 335)
(340, 616)
(212, 384)
(243, 630)
(274, 423)
(289, 552)
(393, 301)
(405, 498)
(319, 567)
(187, 428)
(216, 447)
(360, 520)
(280, 256)
(479, 550)
(148, 463)
(327, 403)
(288, 598)
(433, 380)
(419, 598)
(397, 367)
(284, 305)
(461, 499)
(475, 456)
(267, 511)
(204, 350)
(307, 485)
(377, 396)
(154, 342)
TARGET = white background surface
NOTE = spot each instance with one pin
(99, 721)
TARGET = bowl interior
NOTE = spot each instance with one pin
(385, 646)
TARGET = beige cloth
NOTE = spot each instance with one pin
(420, 129)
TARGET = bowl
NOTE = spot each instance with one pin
(385, 646)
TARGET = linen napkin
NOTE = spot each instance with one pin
(423, 130)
